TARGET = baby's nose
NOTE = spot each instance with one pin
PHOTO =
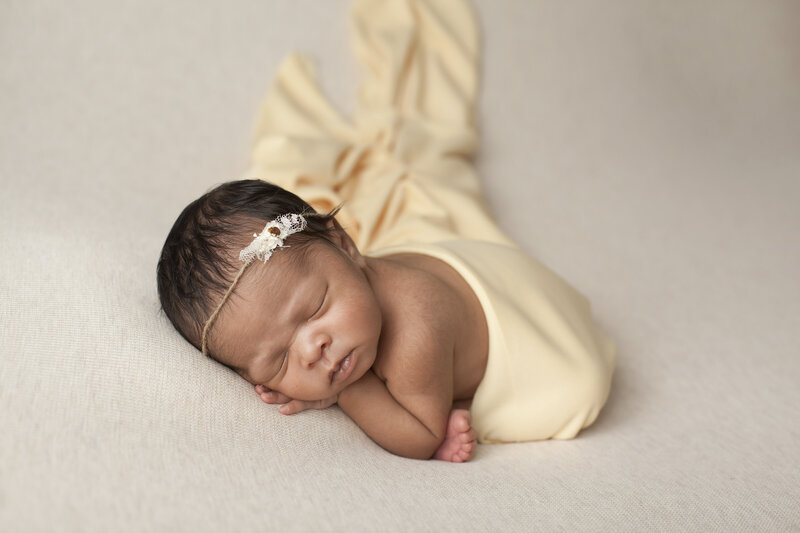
(315, 347)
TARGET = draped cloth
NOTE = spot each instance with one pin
(404, 174)
(403, 168)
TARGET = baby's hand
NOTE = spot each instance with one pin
(291, 406)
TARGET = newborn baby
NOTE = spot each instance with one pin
(402, 340)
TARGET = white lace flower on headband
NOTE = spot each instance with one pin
(272, 237)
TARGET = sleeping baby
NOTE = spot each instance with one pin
(400, 340)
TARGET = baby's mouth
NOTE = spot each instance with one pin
(342, 367)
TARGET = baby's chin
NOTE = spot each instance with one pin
(361, 368)
(357, 374)
(365, 360)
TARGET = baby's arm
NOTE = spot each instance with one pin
(414, 428)
(458, 445)
(408, 413)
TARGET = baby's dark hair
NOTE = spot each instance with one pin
(200, 257)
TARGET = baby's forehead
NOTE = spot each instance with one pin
(294, 264)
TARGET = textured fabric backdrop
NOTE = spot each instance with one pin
(645, 150)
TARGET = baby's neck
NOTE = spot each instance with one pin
(382, 276)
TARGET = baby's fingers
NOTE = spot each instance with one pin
(292, 407)
(271, 396)
(295, 406)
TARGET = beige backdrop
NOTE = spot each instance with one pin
(645, 150)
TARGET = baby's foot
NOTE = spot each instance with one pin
(461, 439)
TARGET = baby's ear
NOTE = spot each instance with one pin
(341, 239)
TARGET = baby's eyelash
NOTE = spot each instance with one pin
(283, 357)
(321, 305)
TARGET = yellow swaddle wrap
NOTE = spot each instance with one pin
(549, 368)
(403, 171)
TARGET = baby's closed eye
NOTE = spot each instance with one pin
(321, 303)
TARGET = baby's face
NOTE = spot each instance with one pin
(305, 328)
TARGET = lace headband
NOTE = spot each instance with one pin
(271, 237)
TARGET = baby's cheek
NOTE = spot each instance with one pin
(244, 375)
(306, 392)
(290, 388)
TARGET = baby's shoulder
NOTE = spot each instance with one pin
(421, 325)
(421, 295)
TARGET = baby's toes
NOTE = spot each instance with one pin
(464, 455)
(468, 436)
